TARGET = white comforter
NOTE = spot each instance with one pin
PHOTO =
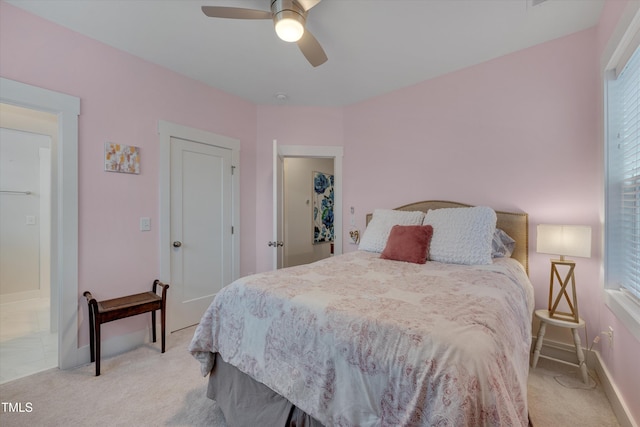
(355, 340)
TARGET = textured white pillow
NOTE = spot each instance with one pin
(461, 235)
(375, 236)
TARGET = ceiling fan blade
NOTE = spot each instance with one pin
(311, 49)
(308, 4)
(235, 12)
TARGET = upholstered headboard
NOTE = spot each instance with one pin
(515, 224)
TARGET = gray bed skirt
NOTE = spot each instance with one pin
(247, 402)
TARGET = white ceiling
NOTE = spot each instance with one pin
(374, 46)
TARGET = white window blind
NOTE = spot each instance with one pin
(623, 179)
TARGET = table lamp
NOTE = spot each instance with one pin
(564, 240)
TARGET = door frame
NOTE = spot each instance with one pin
(334, 152)
(166, 131)
(64, 207)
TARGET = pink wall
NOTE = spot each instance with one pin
(122, 99)
(514, 133)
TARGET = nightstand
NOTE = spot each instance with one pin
(543, 316)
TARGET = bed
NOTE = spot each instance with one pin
(367, 339)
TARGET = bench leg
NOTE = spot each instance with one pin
(92, 338)
(162, 323)
(97, 345)
(153, 325)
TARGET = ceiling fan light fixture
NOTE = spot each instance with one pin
(289, 25)
(289, 18)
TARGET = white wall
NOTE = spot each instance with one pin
(25, 141)
(298, 210)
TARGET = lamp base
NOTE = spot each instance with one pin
(571, 299)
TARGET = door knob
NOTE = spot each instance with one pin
(177, 244)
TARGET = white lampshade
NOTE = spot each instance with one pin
(569, 240)
(289, 25)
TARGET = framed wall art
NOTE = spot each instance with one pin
(322, 207)
(121, 158)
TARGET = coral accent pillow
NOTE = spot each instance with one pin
(409, 243)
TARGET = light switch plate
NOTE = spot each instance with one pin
(145, 223)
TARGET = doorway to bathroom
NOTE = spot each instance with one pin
(28, 326)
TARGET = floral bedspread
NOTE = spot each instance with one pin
(355, 340)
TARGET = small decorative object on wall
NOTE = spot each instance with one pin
(322, 207)
(121, 158)
(354, 233)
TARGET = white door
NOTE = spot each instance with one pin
(201, 228)
(278, 212)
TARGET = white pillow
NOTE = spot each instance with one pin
(461, 235)
(375, 236)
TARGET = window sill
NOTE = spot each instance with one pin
(624, 309)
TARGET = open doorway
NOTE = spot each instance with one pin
(64, 209)
(28, 330)
(333, 154)
(302, 245)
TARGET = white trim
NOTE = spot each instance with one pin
(624, 309)
(324, 151)
(617, 53)
(64, 206)
(620, 38)
(278, 214)
(44, 157)
(167, 130)
(618, 405)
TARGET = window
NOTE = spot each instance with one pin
(622, 220)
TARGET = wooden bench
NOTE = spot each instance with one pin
(118, 308)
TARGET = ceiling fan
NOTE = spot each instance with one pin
(289, 17)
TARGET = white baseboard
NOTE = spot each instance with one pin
(121, 344)
(567, 353)
(620, 408)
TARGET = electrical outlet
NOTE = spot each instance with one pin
(609, 334)
(145, 224)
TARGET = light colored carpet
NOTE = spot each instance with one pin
(147, 388)
(142, 387)
(558, 397)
